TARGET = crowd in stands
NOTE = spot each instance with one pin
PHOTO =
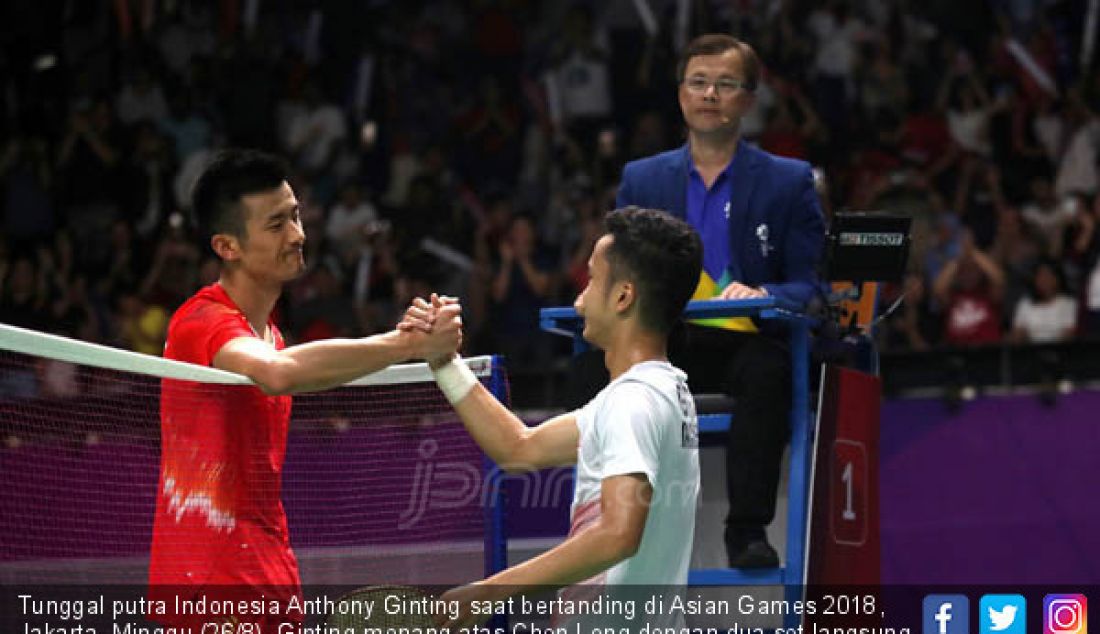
(471, 147)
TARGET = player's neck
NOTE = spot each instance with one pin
(256, 300)
(631, 347)
(714, 150)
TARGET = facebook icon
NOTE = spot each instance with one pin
(946, 614)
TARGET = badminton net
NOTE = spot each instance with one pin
(381, 484)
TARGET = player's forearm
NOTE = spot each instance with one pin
(499, 432)
(576, 559)
(330, 363)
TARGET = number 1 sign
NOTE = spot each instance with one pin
(844, 546)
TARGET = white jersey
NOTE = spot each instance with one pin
(643, 422)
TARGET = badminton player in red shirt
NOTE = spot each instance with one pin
(220, 529)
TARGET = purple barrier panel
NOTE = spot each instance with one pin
(380, 485)
(76, 500)
(1001, 492)
(538, 503)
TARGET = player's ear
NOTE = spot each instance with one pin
(626, 295)
(227, 247)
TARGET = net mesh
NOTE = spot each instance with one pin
(381, 484)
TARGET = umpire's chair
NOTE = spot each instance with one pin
(859, 247)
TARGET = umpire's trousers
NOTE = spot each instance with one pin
(755, 370)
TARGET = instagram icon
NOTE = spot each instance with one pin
(1065, 614)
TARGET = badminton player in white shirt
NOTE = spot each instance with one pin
(634, 444)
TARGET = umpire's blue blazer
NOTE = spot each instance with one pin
(776, 226)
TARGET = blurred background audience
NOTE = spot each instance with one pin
(470, 147)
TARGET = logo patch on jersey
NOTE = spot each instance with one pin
(689, 434)
(689, 429)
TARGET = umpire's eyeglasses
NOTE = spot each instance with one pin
(725, 87)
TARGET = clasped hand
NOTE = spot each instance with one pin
(436, 325)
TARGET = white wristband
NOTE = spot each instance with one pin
(455, 379)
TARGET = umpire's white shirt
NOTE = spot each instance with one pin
(643, 422)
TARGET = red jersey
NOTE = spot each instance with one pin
(219, 518)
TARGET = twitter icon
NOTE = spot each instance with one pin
(1002, 614)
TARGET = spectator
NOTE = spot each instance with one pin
(141, 100)
(1078, 171)
(578, 84)
(187, 34)
(968, 108)
(590, 231)
(1086, 255)
(1048, 126)
(970, 288)
(147, 197)
(315, 133)
(838, 34)
(173, 269)
(127, 260)
(24, 295)
(26, 179)
(915, 327)
(520, 287)
(1048, 315)
(351, 221)
(88, 159)
(143, 327)
(792, 123)
(325, 311)
(189, 130)
(489, 127)
(1017, 248)
(1049, 215)
(946, 245)
(924, 139)
(882, 86)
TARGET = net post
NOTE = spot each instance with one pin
(496, 535)
(794, 575)
(496, 538)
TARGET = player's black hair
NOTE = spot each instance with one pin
(662, 255)
(232, 174)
